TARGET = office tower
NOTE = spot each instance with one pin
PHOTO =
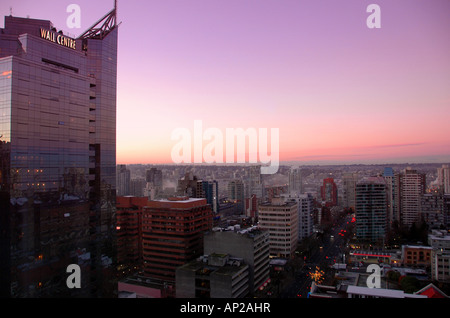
(295, 180)
(58, 144)
(236, 194)
(250, 244)
(123, 178)
(281, 220)
(137, 187)
(154, 176)
(305, 204)
(154, 184)
(172, 234)
(328, 192)
(389, 177)
(254, 184)
(349, 181)
(409, 187)
(210, 190)
(371, 209)
(443, 178)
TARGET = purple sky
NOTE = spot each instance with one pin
(337, 90)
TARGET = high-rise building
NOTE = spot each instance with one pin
(295, 180)
(371, 209)
(443, 178)
(435, 209)
(349, 181)
(123, 178)
(254, 183)
(329, 192)
(236, 194)
(409, 188)
(281, 220)
(389, 177)
(210, 191)
(172, 234)
(58, 154)
(305, 204)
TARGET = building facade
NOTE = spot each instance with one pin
(305, 203)
(172, 234)
(213, 276)
(58, 154)
(349, 181)
(329, 192)
(371, 209)
(281, 220)
(251, 245)
(410, 185)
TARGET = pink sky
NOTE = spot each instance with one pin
(337, 90)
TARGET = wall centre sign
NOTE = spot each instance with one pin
(58, 38)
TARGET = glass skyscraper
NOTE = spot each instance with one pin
(58, 158)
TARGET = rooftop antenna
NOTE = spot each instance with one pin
(10, 11)
(102, 27)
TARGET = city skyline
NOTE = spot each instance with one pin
(338, 91)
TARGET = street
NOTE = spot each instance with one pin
(329, 252)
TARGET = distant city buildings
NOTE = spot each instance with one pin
(295, 180)
(443, 178)
(236, 194)
(329, 192)
(123, 179)
(349, 181)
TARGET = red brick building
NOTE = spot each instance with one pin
(129, 232)
(328, 192)
(172, 234)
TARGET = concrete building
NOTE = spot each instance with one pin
(213, 276)
(281, 220)
(443, 178)
(305, 203)
(440, 255)
(295, 180)
(250, 244)
(409, 187)
(371, 209)
(236, 194)
(349, 181)
(123, 179)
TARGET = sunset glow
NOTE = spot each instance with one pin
(337, 90)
